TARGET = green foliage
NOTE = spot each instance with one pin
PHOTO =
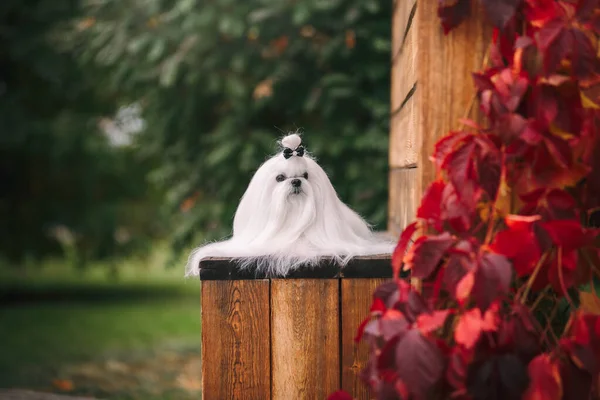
(57, 171)
(218, 80)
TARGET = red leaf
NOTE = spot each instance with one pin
(340, 395)
(361, 329)
(420, 362)
(519, 243)
(372, 329)
(426, 253)
(559, 204)
(386, 358)
(392, 323)
(392, 291)
(583, 342)
(412, 305)
(471, 324)
(446, 145)
(558, 41)
(460, 165)
(540, 12)
(512, 125)
(453, 12)
(545, 382)
(500, 11)
(460, 262)
(378, 306)
(569, 234)
(456, 372)
(483, 82)
(400, 250)
(430, 204)
(431, 322)
(458, 212)
(577, 383)
(549, 204)
(464, 287)
(562, 276)
(488, 171)
(521, 332)
(492, 278)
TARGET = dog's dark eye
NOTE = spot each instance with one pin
(280, 178)
(305, 175)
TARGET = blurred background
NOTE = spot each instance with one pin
(129, 130)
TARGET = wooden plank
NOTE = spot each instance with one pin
(400, 21)
(357, 295)
(444, 67)
(305, 338)
(376, 266)
(236, 340)
(405, 135)
(404, 45)
(404, 188)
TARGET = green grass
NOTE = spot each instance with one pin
(54, 317)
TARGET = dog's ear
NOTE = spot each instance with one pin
(332, 208)
(253, 209)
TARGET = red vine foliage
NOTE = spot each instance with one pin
(503, 236)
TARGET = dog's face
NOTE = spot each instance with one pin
(283, 191)
(292, 175)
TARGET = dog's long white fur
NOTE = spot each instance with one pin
(277, 230)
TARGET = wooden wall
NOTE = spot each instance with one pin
(431, 89)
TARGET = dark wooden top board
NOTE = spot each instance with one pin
(357, 267)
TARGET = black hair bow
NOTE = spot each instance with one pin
(287, 152)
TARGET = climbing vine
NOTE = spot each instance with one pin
(504, 245)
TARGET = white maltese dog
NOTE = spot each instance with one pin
(291, 216)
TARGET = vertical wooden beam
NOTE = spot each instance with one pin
(444, 68)
(405, 142)
(404, 191)
(235, 340)
(431, 89)
(305, 338)
(404, 139)
(357, 296)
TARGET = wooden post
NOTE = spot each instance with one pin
(431, 89)
(235, 339)
(289, 338)
(305, 324)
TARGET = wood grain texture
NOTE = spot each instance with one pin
(236, 340)
(404, 198)
(305, 338)
(403, 52)
(405, 141)
(444, 67)
(405, 136)
(357, 296)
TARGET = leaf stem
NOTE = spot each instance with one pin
(490, 230)
(539, 299)
(549, 319)
(591, 262)
(561, 279)
(531, 279)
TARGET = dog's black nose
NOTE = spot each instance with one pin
(296, 182)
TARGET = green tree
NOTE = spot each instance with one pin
(63, 184)
(219, 79)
